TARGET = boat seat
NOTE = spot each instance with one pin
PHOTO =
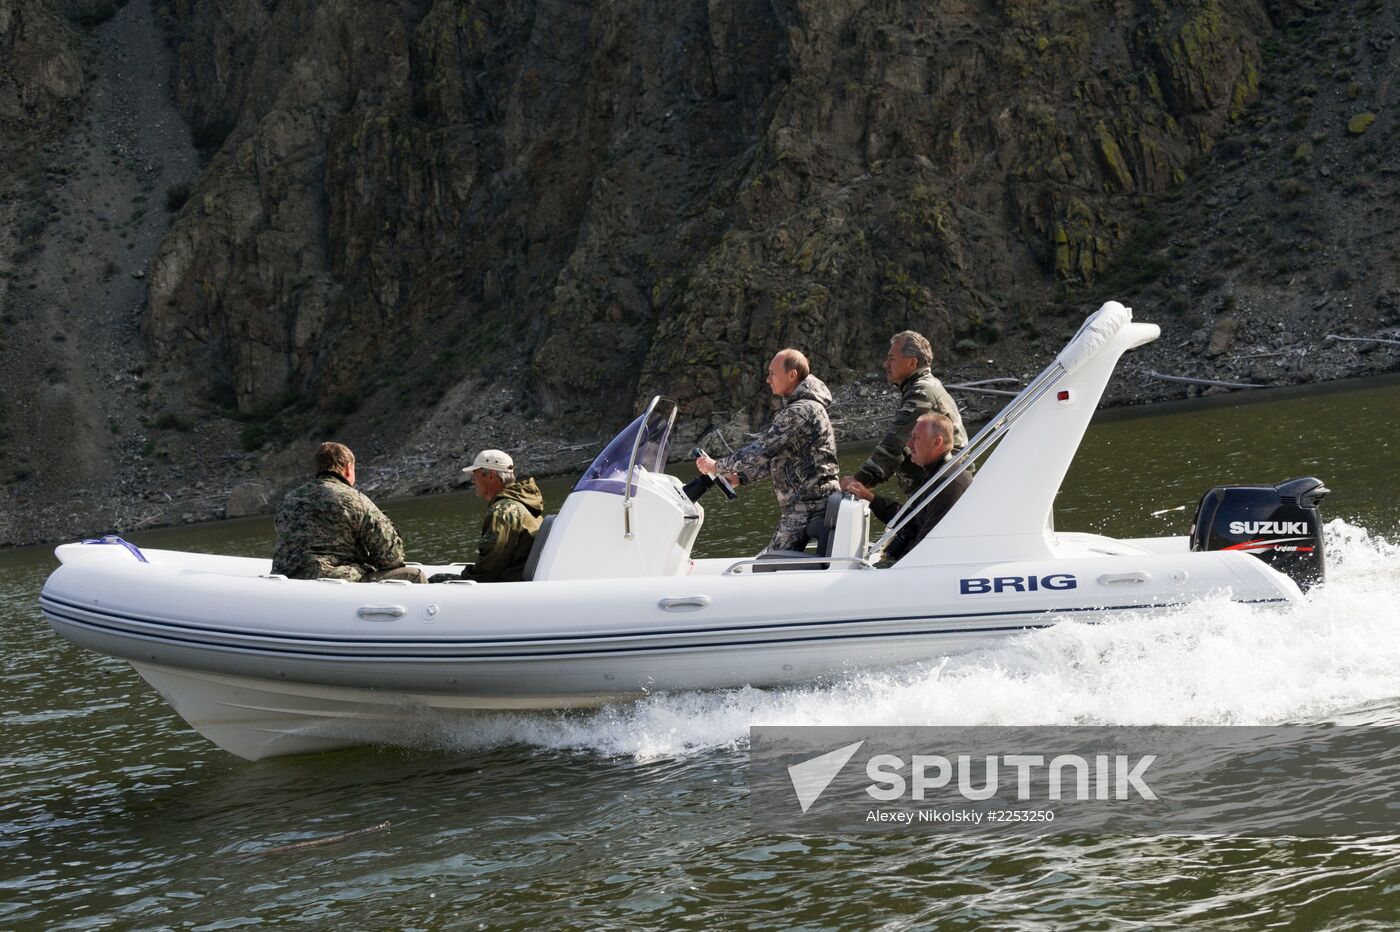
(851, 535)
(843, 528)
(533, 560)
(840, 530)
(822, 527)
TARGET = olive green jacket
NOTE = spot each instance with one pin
(919, 394)
(507, 533)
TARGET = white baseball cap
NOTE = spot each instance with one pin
(495, 460)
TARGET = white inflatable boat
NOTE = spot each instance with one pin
(614, 606)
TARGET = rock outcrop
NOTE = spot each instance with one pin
(621, 199)
(90, 147)
(425, 228)
(254, 497)
(40, 72)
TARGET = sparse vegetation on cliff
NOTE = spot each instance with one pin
(516, 219)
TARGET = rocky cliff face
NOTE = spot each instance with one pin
(616, 199)
(937, 167)
(412, 220)
(449, 191)
(39, 70)
(90, 144)
(41, 86)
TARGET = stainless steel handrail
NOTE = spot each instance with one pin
(976, 447)
(627, 482)
(860, 562)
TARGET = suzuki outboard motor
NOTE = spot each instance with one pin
(1277, 523)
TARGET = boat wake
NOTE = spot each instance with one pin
(1213, 662)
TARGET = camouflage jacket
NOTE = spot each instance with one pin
(919, 394)
(507, 533)
(798, 449)
(326, 529)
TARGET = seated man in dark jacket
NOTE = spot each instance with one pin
(930, 447)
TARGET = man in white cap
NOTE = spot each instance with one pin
(512, 518)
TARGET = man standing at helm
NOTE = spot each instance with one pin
(798, 450)
(907, 365)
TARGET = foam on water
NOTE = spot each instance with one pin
(1213, 662)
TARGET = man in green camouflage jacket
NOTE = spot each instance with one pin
(327, 530)
(798, 450)
(513, 517)
(907, 366)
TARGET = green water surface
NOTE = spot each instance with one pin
(114, 814)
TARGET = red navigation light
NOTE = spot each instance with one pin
(1063, 395)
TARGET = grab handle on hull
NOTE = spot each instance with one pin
(1121, 579)
(689, 603)
(381, 612)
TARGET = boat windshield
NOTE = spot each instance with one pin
(649, 435)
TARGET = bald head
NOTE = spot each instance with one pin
(931, 437)
(787, 370)
(794, 361)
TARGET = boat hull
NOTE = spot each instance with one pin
(258, 717)
(267, 666)
(615, 608)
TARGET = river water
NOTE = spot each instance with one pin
(113, 813)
